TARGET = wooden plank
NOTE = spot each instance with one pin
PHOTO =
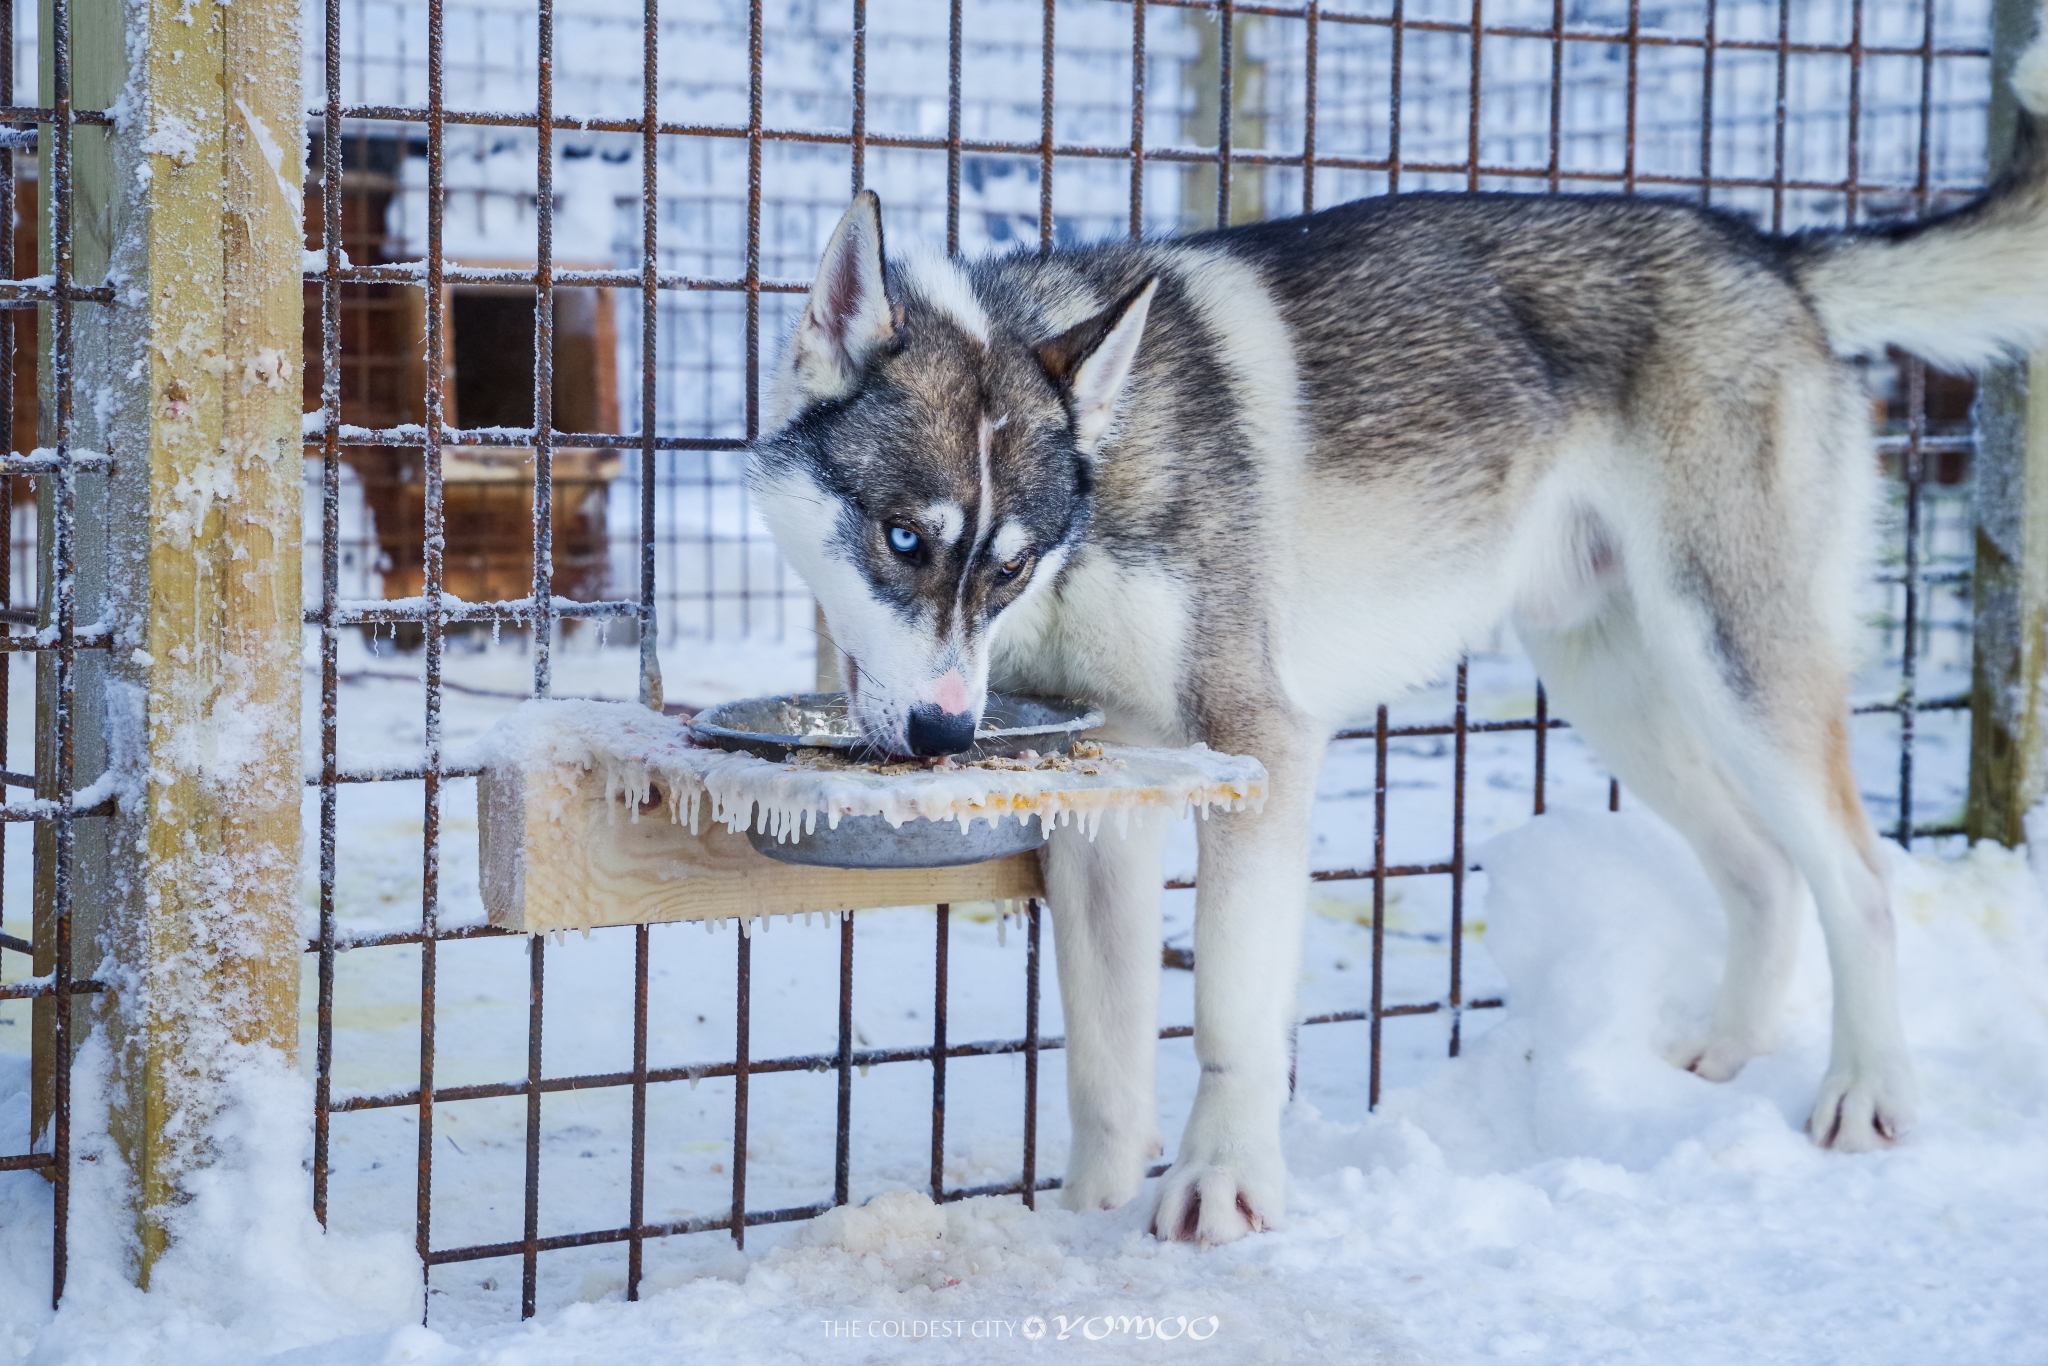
(559, 855)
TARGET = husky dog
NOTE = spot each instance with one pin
(1241, 486)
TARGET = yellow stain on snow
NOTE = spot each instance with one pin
(1400, 919)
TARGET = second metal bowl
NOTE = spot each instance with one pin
(871, 842)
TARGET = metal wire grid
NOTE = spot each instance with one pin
(541, 610)
(717, 570)
(53, 633)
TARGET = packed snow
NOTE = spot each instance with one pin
(1559, 1192)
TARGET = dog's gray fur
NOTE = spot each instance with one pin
(1241, 486)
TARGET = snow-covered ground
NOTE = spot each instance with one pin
(1558, 1192)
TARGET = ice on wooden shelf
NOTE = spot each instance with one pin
(646, 759)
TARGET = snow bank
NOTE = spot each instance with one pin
(1612, 944)
(249, 1273)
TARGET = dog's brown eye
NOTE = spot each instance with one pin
(1011, 568)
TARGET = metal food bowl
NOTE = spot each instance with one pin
(776, 727)
(871, 842)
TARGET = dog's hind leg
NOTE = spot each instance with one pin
(1868, 1096)
(1736, 659)
(1609, 686)
(1797, 774)
(1228, 1177)
(1104, 895)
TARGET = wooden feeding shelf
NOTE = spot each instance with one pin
(563, 856)
(596, 813)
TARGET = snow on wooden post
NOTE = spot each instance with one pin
(190, 380)
(2008, 739)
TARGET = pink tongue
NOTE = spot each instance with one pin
(952, 692)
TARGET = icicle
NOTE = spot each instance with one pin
(706, 923)
(1002, 927)
(586, 934)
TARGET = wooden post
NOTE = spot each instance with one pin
(2008, 742)
(190, 380)
(1202, 80)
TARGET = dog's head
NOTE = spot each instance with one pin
(926, 468)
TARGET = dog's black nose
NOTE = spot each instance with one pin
(934, 732)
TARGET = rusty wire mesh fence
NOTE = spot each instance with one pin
(39, 625)
(554, 245)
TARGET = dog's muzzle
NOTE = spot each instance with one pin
(933, 732)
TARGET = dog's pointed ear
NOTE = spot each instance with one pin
(1089, 362)
(848, 314)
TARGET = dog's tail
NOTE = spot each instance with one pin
(1960, 290)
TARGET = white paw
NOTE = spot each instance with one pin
(1228, 1178)
(1211, 1205)
(1863, 1108)
(1717, 1058)
(1105, 1173)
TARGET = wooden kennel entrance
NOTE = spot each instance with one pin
(488, 375)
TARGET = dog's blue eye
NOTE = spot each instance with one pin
(902, 539)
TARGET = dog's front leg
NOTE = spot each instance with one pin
(1228, 1178)
(1104, 894)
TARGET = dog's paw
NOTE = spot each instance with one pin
(1104, 1175)
(1214, 1202)
(1863, 1108)
(1228, 1179)
(1716, 1058)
